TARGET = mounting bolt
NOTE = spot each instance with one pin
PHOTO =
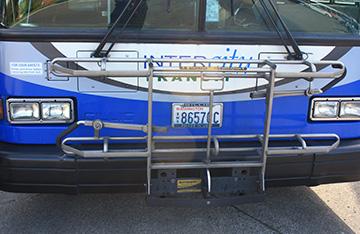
(98, 125)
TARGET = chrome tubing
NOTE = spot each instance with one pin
(263, 69)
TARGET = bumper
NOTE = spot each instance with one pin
(29, 168)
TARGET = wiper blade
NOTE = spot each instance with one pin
(295, 53)
(2, 13)
(99, 50)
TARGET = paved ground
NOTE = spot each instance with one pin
(324, 209)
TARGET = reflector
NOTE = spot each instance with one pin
(1, 110)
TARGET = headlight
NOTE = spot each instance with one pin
(56, 111)
(350, 109)
(325, 109)
(40, 110)
(335, 109)
(26, 111)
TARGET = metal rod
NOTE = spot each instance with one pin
(212, 61)
(210, 120)
(258, 73)
(109, 12)
(200, 165)
(208, 175)
(159, 60)
(307, 150)
(204, 137)
(269, 103)
(216, 146)
(106, 145)
(286, 93)
(271, 151)
(149, 125)
(70, 139)
(117, 154)
(28, 13)
(302, 141)
(339, 68)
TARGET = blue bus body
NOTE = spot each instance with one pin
(241, 114)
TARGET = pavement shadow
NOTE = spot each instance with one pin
(355, 187)
(286, 210)
(296, 210)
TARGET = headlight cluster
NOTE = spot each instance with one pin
(35, 111)
(335, 109)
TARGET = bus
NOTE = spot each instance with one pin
(191, 102)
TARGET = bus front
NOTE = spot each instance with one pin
(200, 102)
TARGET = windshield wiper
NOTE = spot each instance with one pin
(99, 50)
(294, 53)
(2, 13)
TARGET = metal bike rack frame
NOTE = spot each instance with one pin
(258, 69)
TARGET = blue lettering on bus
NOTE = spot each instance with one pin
(233, 55)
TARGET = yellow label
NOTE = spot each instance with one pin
(189, 186)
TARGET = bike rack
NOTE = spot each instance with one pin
(217, 70)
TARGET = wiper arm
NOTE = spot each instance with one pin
(296, 53)
(2, 25)
(2, 12)
(99, 50)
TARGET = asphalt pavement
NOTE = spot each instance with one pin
(331, 208)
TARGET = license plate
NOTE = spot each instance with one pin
(195, 115)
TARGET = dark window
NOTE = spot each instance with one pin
(235, 16)
(324, 16)
(339, 17)
(152, 14)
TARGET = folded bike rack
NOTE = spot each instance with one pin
(217, 70)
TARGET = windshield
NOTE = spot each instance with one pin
(301, 16)
(152, 14)
(318, 17)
